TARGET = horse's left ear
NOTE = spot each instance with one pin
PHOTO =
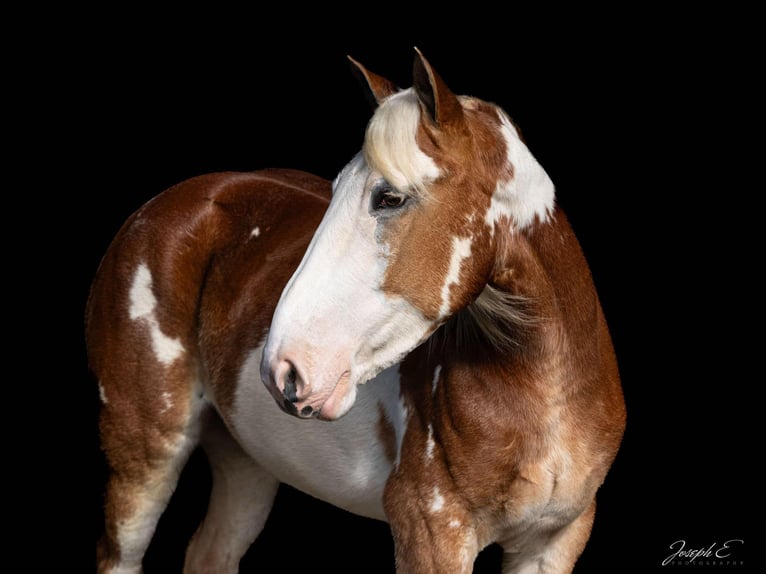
(441, 105)
(379, 87)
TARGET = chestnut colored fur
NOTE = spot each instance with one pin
(219, 287)
(506, 438)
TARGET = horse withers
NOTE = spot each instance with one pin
(435, 307)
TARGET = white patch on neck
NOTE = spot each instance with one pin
(529, 194)
(255, 232)
(102, 394)
(461, 249)
(142, 308)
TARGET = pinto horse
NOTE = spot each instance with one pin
(433, 302)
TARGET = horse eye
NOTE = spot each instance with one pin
(387, 198)
(391, 200)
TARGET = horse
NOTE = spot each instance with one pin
(427, 325)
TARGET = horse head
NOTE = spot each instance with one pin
(415, 232)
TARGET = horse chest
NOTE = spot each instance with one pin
(496, 470)
(345, 463)
(475, 495)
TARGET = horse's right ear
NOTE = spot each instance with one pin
(379, 87)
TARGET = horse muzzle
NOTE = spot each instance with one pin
(322, 397)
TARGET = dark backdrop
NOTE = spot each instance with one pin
(639, 128)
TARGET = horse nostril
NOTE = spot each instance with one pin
(290, 391)
(306, 411)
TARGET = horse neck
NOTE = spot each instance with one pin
(539, 296)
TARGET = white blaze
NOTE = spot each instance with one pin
(333, 317)
(334, 321)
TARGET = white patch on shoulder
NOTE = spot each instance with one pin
(437, 502)
(529, 194)
(255, 232)
(461, 249)
(102, 393)
(142, 308)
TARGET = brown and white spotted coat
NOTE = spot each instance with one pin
(443, 318)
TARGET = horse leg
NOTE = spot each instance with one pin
(147, 436)
(437, 548)
(240, 501)
(432, 531)
(559, 554)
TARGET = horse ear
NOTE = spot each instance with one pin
(441, 105)
(379, 87)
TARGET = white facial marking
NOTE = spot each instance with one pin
(355, 326)
(142, 308)
(435, 382)
(255, 232)
(461, 249)
(430, 443)
(437, 502)
(529, 194)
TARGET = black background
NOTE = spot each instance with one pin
(641, 123)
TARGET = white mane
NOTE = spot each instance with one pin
(390, 144)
